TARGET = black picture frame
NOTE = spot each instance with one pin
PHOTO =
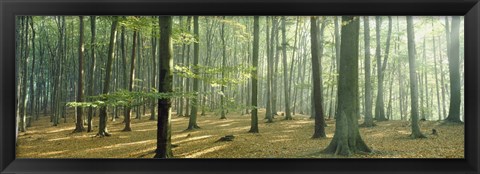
(470, 9)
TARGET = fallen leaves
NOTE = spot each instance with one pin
(281, 139)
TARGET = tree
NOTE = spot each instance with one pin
(254, 123)
(131, 79)
(93, 29)
(270, 50)
(368, 86)
(347, 138)
(164, 149)
(79, 122)
(379, 106)
(102, 128)
(288, 115)
(416, 133)
(192, 123)
(453, 67)
(224, 64)
(317, 93)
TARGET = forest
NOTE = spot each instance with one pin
(239, 86)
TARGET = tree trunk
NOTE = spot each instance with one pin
(319, 131)
(224, 63)
(102, 128)
(416, 133)
(368, 86)
(269, 41)
(288, 115)
(192, 123)
(436, 77)
(79, 124)
(453, 67)
(92, 71)
(153, 85)
(131, 79)
(164, 149)
(347, 139)
(379, 106)
(254, 122)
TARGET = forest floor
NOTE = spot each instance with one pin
(281, 139)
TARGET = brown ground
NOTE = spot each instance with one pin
(281, 139)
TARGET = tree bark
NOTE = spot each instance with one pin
(347, 138)
(416, 133)
(131, 79)
(164, 144)
(92, 71)
(288, 115)
(453, 67)
(368, 86)
(79, 123)
(254, 116)
(319, 131)
(102, 128)
(192, 123)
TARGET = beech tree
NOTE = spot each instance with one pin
(79, 122)
(164, 145)
(347, 138)
(416, 133)
(317, 93)
(102, 127)
(453, 67)
(254, 114)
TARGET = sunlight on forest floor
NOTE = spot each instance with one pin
(281, 139)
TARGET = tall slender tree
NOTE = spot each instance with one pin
(164, 149)
(416, 133)
(102, 128)
(380, 106)
(368, 86)
(131, 79)
(319, 131)
(288, 115)
(192, 123)
(224, 64)
(254, 119)
(79, 122)
(92, 67)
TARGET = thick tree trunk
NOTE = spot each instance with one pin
(347, 138)
(453, 67)
(164, 149)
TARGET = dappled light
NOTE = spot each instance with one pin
(239, 86)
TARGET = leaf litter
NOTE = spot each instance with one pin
(281, 139)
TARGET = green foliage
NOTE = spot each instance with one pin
(233, 74)
(125, 98)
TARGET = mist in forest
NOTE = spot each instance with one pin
(240, 86)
